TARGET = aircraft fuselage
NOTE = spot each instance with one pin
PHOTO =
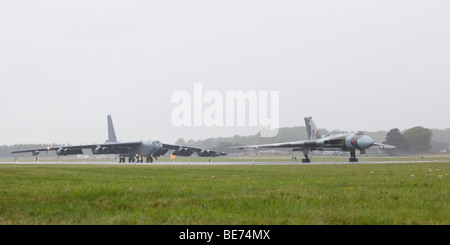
(344, 142)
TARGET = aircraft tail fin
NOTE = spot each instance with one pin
(313, 132)
(111, 132)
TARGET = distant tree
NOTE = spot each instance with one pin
(419, 139)
(396, 138)
(437, 146)
(441, 135)
(224, 146)
(180, 141)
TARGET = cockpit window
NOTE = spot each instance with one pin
(360, 133)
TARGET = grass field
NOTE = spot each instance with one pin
(400, 193)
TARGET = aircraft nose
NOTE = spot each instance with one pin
(365, 142)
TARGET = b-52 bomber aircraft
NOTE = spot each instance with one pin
(343, 142)
(135, 151)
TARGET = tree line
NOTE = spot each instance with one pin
(417, 140)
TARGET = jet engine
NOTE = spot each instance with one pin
(66, 151)
(185, 152)
(205, 153)
(100, 150)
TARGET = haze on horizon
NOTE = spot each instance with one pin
(352, 65)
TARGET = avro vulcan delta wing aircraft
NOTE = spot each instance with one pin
(135, 151)
(343, 142)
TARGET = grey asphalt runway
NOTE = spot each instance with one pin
(213, 163)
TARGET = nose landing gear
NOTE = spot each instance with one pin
(353, 156)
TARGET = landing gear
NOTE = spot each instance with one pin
(149, 159)
(353, 156)
(305, 154)
(306, 159)
(140, 159)
(121, 159)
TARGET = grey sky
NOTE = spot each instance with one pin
(351, 65)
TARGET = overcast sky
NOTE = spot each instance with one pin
(351, 65)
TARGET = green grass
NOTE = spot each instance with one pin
(416, 193)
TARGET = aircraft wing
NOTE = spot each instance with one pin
(383, 146)
(298, 145)
(37, 150)
(106, 148)
(180, 150)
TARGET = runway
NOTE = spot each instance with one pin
(211, 163)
